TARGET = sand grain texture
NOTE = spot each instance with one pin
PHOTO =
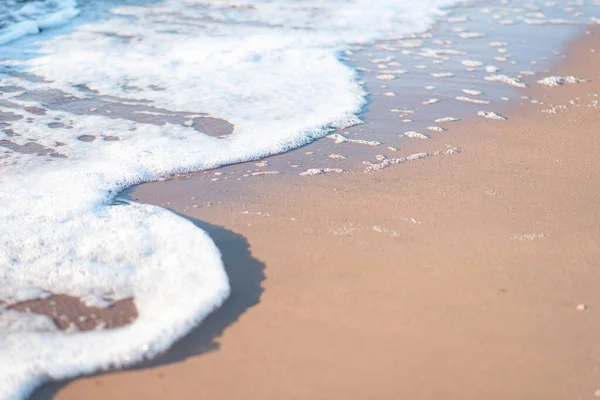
(470, 288)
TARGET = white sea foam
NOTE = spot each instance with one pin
(471, 100)
(491, 115)
(471, 63)
(18, 18)
(447, 119)
(442, 75)
(560, 80)
(386, 77)
(269, 68)
(320, 171)
(417, 135)
(342, 139)
(15, 322)
(436, 128)
(472, 92)
(506, 79)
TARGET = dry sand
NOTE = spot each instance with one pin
(467, 276)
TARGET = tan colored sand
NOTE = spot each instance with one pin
(472, 287)
(70, 312)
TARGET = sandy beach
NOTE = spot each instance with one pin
(468, 275)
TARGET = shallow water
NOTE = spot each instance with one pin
(397, 106)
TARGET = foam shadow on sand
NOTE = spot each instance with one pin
(246, 275)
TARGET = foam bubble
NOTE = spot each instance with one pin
(491, 115)
(506, 79)
(447, 119)
(417, 135)
(560, 80)
(471, 63)
(320, 171)
(442, 75)
(471, 100)
(472, 92)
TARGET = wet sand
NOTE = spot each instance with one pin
(463, 276)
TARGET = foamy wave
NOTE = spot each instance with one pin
(268, 68)
(18, 18)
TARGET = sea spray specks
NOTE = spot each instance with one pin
(436, 128)
(491, 115)
(342, 139)
(388, 162)
(414, 134)
(560, 80)
(516, 82)
(447, 119)
(466, 99)
(321, 171)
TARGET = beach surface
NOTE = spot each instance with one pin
(467, 275)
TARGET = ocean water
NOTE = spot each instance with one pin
(137, 92)
(19, 18)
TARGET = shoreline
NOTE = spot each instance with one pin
(380, 111)
(524, 209)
